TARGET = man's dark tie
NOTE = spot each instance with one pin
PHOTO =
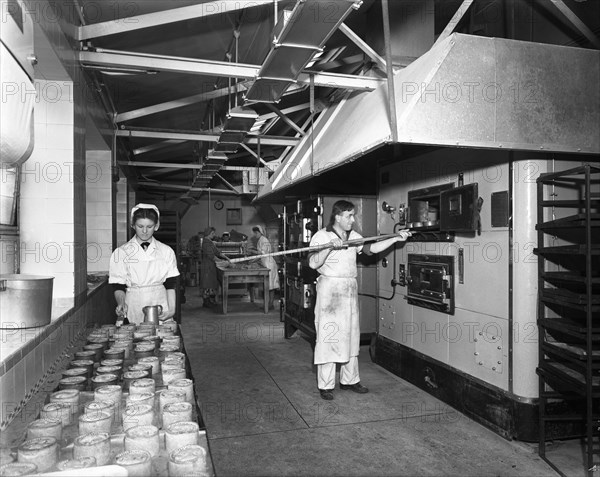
(145, 245)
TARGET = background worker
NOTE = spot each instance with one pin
(144, 271)
(263, 246)
(209, 281)
(336, 309)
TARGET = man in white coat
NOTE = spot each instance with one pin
(336, 309)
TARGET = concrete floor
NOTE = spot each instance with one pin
(264, 416)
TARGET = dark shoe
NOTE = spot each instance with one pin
(357, 388)
(326, 394)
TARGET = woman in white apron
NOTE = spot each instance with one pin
(144, 271)
(263, 247)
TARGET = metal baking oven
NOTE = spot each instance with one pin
(430, 282)
(300, 294)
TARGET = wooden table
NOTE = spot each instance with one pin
(234, 274)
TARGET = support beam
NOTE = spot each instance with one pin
(252, 153)
(167, 135)
(155, 147)
(177, 103)
(337, 80)
(291, 109)
(454, 21)
(268, 140)
(164, 165)
(287, 150)
(137, 22)
(196, 98)
(148, 62)
(358, 41)
(123, 59)
(224, 181)
(162, 185)
(158, 172)
(577, 23)
(339, 62)
(285, 119)
(238, 168)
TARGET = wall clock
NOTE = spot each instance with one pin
(218, 204)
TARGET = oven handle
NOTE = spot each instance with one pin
(447, 279)
(421, 298)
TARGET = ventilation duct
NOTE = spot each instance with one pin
(467, 91)
(300, 34)
(237, 125)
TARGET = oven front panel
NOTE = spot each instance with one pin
(430, 282)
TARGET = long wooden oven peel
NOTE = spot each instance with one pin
(315, 248)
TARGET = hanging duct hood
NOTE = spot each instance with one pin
(467, 91)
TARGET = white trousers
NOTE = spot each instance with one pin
(348, 373)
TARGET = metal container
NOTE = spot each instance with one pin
(151, 313)
(25, 301)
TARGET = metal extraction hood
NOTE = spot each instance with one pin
(467, 91)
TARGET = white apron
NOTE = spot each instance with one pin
(137, 297)
(264, 247)
(336, 320)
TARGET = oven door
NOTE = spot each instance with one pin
(430, 282)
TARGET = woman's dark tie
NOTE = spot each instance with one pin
(145, 245)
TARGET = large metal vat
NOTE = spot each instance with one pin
(25, 301)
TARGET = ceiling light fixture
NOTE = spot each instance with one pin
(299, 36)
(238, 123)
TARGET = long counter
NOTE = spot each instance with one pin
(45, 354)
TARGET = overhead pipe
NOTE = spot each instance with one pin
(257, 165)
(228, 55)
(236, 36)
(275, 14)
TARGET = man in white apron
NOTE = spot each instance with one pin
(336, 309)
(143, 271)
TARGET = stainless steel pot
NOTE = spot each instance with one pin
(25, 301)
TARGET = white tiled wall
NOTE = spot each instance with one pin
(99, 210)
(8, 253)
(123, 202)
(47, 189)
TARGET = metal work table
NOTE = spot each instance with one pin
(248, 274)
